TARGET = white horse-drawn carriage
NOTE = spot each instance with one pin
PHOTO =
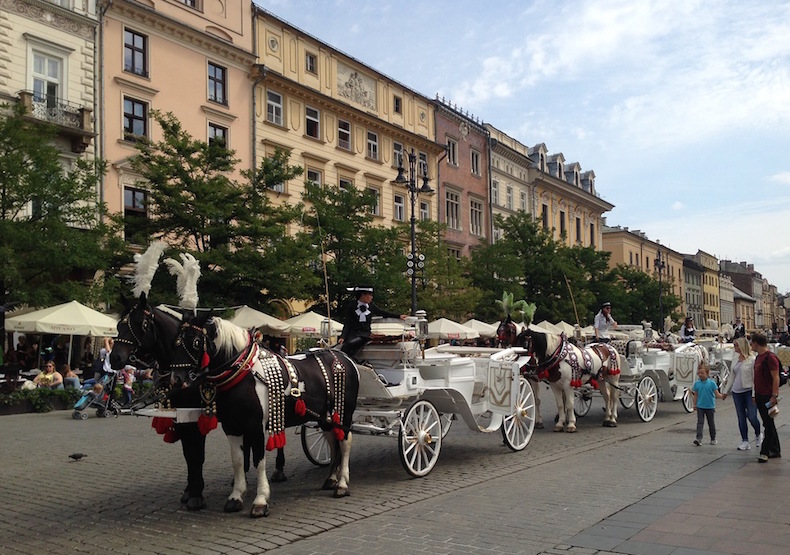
(414, 394)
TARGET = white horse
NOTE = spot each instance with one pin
(565, 367)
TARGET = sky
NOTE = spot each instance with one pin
(682, 108)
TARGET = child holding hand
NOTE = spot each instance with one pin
(704, 394)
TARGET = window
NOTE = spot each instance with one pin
(397, 153)
(344, 134)
(545, 216)
(135, 53)
(452, 152)
(452, 202)
(217, 133)
(274, 108)
(422, 163)
(376, 209)
(495, 193)
(373, 145)
(345, 184)
(454, 253)
(312, 122)
(47, 74)
(592, 237)
(400, 208)
(397, 104)
(135, 119)
(196, 4)
(217, 83)
(509, 197)
(134, 214)
(563, 231)
(425, 210)
(311, 63)
(578, 230)
(523, 201)
(314, 176)
(476, 218)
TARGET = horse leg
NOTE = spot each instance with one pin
(538, 418)
(344, 477)
(193, 446)
(334, 465)
(279, 467)
(260, 505)
(561, 412)
(570, 416)
(235, 500)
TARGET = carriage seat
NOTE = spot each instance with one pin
(620, 346)
(390, 354)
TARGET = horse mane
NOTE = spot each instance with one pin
(229, 338)
(145, 266)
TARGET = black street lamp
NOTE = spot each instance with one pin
(411, 185)
(660, 265)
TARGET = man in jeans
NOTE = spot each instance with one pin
(766, 391)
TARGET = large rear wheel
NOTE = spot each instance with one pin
(315, 446)
(420, 438)
(582, 401)
(688, 402)
(646, 399)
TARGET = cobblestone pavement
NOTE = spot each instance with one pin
(123, 497)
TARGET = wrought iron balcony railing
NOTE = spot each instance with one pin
(74, 121)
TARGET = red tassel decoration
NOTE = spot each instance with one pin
(270, 443)
(161, 425)
(204, 361)
(207, 423)
(171, 436)
(594, 383)
(340, 435)
(280, 440)
(300, 408)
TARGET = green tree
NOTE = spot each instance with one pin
(56, 241)
(635, 296)
(231, 226)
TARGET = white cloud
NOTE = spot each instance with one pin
(677, 205)
(782, 177)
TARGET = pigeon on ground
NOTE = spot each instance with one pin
(77, 456)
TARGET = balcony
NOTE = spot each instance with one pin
(72, 120)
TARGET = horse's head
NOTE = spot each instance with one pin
(507, 332)
(541, 344)
(136, 330)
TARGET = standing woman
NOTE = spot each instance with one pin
(740, 382)
(603, 323)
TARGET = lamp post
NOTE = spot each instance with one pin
(660, 265)
(411, 186)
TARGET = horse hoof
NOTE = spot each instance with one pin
(341, 492)
(259, 510)
(185, 497)
(559, 428)
(233, 506)
(539, 426)
(609, 424)
(329, 484)
(571, 429)
(279, 476)
(195, 503)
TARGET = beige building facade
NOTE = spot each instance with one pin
(47, 63)
(192, 58)
(711, 305)
(510, 190)
(345, 123)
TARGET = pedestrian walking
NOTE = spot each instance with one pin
(740, 382)
(704, 393)
(766, 395)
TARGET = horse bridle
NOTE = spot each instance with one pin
(195, 371)
(137, 343)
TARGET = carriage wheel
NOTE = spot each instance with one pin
(582, 401)
(315, 446)
(420, 438)
(628, 398)
(646, 399)
(447, 421)
(688, 402)
(517, 427)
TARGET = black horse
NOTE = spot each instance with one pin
(148, 331)
(253, 393)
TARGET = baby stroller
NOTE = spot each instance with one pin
(100, 396)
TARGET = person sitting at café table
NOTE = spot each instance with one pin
(50, 377)
(70, 379)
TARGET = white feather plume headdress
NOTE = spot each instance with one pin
(187, 275)
(145, 268)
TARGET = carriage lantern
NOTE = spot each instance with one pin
(422, 325)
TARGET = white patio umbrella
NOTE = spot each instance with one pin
(485, 330)
(72, 318)
(565, 327)
(247, 317)
(447, 329)
(545, 325)
(309, 324)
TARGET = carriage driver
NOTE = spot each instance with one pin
(356, 326)
(603, 323)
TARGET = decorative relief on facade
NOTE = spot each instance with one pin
(352, 85)
(39, 11)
